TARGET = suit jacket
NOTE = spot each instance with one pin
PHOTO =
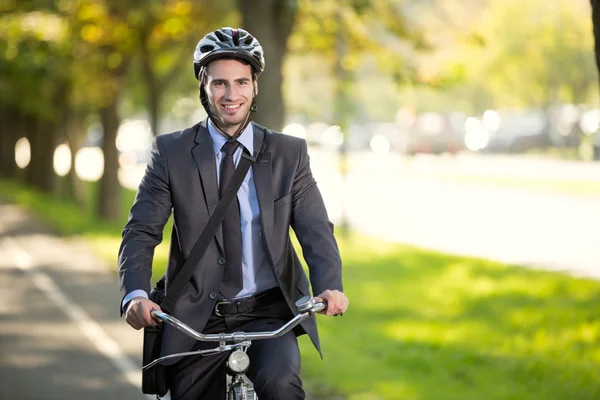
(181, 178)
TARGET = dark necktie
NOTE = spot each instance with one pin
(232, 232)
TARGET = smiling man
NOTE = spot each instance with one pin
(230, 87)
(250, 276)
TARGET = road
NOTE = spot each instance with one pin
(411, 201)
(419, 201)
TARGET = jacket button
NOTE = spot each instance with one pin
(212, 295)
(221, 261)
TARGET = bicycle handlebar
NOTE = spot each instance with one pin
(239, 336)
(306, 306)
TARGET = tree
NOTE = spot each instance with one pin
(271, 21)
(346, 36)
(168, 35)
(33, 85)
(596, 24)
(525, 58)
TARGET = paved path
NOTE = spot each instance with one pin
(60, 333)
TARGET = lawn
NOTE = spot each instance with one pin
(424, 325)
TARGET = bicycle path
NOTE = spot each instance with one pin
(61, 336)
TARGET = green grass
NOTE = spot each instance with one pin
(68, 219)
(428, 326)
(424, 325)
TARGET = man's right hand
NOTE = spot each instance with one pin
(138, 313)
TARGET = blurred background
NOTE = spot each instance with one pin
(454, 142)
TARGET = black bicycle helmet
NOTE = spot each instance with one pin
(228, 42)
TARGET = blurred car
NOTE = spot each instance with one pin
(434, 133)
(519, 131)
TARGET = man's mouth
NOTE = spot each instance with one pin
(231, 106)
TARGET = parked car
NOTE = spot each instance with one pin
(434, 133)
(519, 131)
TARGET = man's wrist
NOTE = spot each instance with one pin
(130, 296)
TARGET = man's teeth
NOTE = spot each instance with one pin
(232, 106)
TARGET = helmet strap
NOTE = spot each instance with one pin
(213, 118)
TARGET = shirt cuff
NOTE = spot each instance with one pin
(132, 295)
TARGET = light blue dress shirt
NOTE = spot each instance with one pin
(258, 273)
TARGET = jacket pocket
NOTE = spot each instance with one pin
(282, 201)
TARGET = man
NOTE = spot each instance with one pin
(251, 260)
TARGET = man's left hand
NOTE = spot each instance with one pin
(337, 302)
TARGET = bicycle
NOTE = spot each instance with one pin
(239, 387)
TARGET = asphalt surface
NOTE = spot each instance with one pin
(61, 336)
(411, 201)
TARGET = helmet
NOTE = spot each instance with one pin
(228, 42)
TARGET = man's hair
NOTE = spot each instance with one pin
(202, 78)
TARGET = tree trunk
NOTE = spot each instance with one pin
(270, 21)
(596, 24)
(109, 191)
(75, 138)
(152, 85)
(42, 139)
(8, 140)
(20, 131)
(342, 112)
(29, 127)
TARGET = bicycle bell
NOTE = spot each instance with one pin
(305, 303)
(238, 361)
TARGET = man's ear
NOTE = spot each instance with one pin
(255, 87)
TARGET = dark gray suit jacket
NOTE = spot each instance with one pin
(181, 177)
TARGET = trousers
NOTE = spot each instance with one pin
(274, 363)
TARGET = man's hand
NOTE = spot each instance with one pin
(337, 302)
(138, 312)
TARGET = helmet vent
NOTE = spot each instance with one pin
(220, 35)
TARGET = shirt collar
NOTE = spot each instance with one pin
(246, 138)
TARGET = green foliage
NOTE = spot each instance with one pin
(524, 53)
(347, 38)
(168, 34)
(31, 69)
(534, 58)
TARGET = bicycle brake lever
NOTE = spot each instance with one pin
(319, 307)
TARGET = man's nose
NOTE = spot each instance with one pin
(231, 92)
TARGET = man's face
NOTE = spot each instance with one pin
(229, 88)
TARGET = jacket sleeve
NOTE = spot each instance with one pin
(149, 213)
(314, 230)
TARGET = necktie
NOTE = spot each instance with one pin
(232, 233)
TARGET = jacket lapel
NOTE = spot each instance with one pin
(264, 190)
(204, 157)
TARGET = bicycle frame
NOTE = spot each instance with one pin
(238, 361)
